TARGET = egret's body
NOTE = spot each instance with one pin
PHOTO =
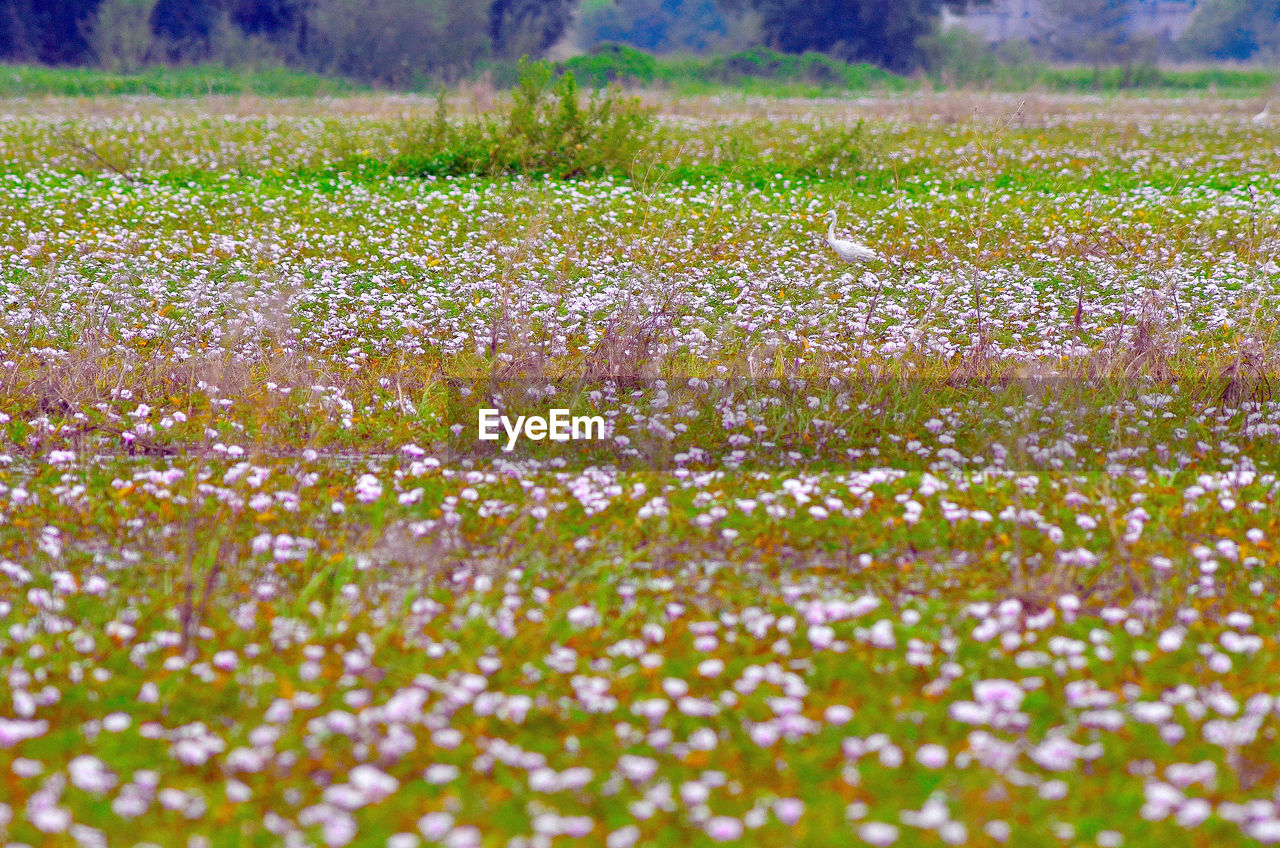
(1263, 116)
(849, 251)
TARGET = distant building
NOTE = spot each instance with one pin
(1027, 20)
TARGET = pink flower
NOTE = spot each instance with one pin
(999, 694)
(724, 828)
(821, 636)
(1056, 753)
(788, 810)
(931, 756)
(368, 489)
(16, 730)
(434, 826)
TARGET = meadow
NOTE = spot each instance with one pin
(974, 545)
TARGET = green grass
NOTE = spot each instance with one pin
(757, 72)
(763, 72)
(754, 71)
(1222, 81)
(182, 81)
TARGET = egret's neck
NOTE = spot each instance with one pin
(831, 230)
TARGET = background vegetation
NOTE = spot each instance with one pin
(784, 46)
(755, 72)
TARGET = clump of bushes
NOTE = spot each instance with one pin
(548, 130)
(551, 129)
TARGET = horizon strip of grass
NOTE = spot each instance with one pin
(747, 72)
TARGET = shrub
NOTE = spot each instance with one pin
(612, 63)
(547, 131)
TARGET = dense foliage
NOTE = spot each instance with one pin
(44, 31)
(1235, 29)
(547, 131)
(885, 34)
(387, 42)
(527, 27)
(665, 26)
(408, 44)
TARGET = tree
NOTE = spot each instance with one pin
(663, 26)
(395, 42)
(884, 32)
(17, 42)
(188, 25)
(527, 27)
(1234, 29)
(120, 34)
(48, 32)
(283, 22)
(267, 17)
(1095, 31)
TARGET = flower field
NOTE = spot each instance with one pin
(975, 545)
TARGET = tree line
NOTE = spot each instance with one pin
(387, 42)
(407, 43)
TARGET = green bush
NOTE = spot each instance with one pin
(547, 131)
(612, 63)
(551, 130)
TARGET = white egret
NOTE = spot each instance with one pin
(1263, 116)
(849, 251)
